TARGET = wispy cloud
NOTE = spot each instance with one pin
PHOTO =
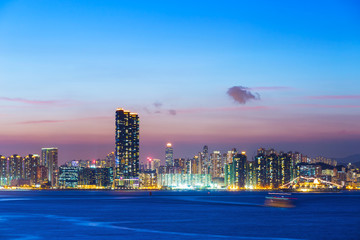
(334, 97)
(223, 109)
(157, 108)
(242, 94)
(42, 121)
(65, 120)
(28, 101)
(271, 88)
(326, 106)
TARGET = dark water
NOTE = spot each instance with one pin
(175, 215)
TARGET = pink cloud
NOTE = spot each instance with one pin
(330, 97)
(22, 100)
(327, 106)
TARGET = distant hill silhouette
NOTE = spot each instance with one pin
(349, 159)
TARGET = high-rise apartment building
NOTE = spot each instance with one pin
(31, 162)
(206, 160)
(49, 159)
(284, 168)
(236, 171)
(15, 167)
(126, 149)
(169, 155)
(3, 171)
(217, 165)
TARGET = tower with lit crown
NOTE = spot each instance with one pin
(169, 155)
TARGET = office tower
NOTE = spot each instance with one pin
(3, 171)
(169, 155)
(31, 162)
(49, 159)
(126, 149)
(15, 167)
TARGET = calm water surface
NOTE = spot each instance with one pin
(175, 215)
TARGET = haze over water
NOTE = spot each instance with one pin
(175, 215)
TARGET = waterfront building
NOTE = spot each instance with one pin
(216, 168)
(15, 167)
(104, 177)
(126, 149)
(206, 160)
(42, 175)
(148, 179)
(3, 171)
(261, 169)
(30, 164)
(169, 155)
(49, 159)
(250, 175)
(285, 168)
(95, 177)
(239, 162)
(68, 177)
(111, 158)
(186, 181)
(236, 172)
(272, 169)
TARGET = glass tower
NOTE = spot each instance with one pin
(126, 149)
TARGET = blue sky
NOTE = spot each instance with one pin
(82, 59)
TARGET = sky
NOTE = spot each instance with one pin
(243, 74)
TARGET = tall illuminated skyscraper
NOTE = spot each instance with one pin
(3, 171)
(49, 159)
(126, 149)
(169, 155)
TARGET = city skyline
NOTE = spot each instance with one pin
(281, 76)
